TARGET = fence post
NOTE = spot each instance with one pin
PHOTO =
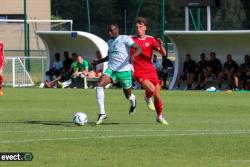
(13, 71)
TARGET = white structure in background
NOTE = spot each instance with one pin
(196, 42)
(82, 43)
(15, 73)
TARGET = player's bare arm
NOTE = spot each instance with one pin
(95, 62)
(161, 49)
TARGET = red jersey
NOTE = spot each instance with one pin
(143, 62)
(143, 66)
(1, 53)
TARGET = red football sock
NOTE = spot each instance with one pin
(148, 93)
(158, 107)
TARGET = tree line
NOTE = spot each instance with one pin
(231, 15)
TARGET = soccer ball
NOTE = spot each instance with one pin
(80, 118)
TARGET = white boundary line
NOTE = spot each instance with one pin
(125, 130)
(241, 161)
(121, 136)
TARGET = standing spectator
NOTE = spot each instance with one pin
(2, 62)
(145, 72)
(201, 70)
(189, 67)
(229, 71)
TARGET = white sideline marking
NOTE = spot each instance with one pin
(121, 136)
(241, 161)
(107, 130)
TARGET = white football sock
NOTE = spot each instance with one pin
(100, 99)
(132, 99)
(160, 116)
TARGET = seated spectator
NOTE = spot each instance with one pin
(56, 69)
(167, 66)
(98, 69)
(201, 69)
(64, 78)
(229, 72)
(157, 65)
(62, 81)
(188, 73)
(248, 78)
(67, 61)
(80, 69)
(244, 72)
(214, 67)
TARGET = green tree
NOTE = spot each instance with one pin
(230, 15)
(246, 6)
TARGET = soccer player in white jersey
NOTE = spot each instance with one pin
(119, 68)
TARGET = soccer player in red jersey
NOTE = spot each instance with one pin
(2, 62)
(144, 71)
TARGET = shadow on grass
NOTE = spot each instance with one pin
(71, 124)
(64, 123)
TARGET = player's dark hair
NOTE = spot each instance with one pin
(112, 25)
(141, 20)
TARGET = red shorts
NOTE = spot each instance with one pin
(152, 76)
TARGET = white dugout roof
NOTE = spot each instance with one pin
(82, 43)
(197, 42)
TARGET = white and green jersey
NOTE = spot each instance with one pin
(118, 53)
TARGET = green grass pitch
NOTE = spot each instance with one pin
(206, 129)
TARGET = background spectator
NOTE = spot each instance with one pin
(228, 73)
(167, 70)
(67, 61)
(98, 68)
(201, 69)
(56, 69)
(214, 67)
(244, 71)
(189, 68)
(158, 66)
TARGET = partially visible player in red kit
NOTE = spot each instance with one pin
(2, 62)
(144, 71)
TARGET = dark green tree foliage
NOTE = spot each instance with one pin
(230, 15)
(70, 10)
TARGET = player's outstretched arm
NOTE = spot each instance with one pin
(95, 62)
